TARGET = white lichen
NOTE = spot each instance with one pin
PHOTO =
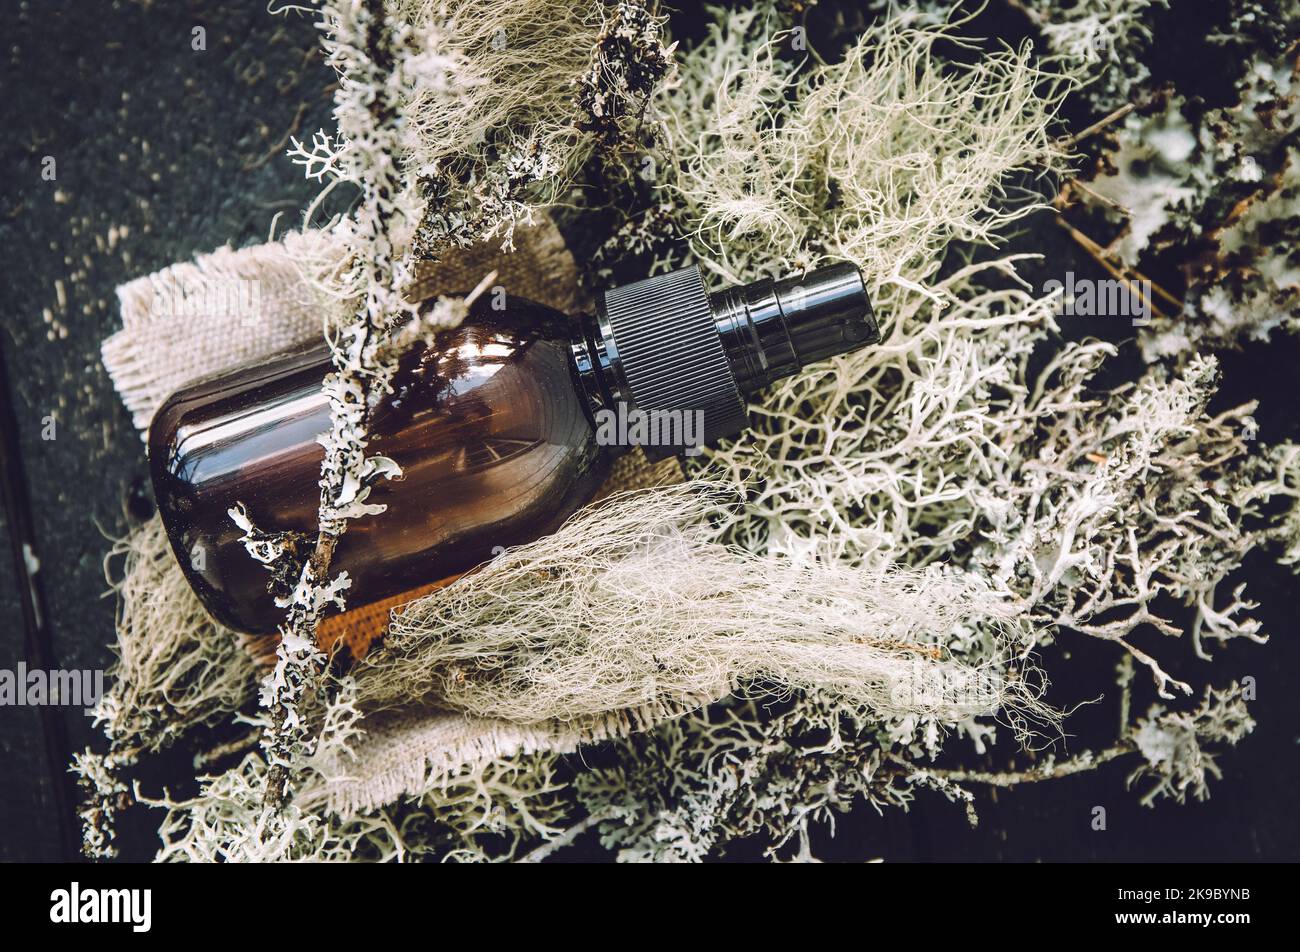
(1172, 744)
(487, 810)
(634, 608)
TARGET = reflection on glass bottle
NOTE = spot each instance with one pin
(493, 438)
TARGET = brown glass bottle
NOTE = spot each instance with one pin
(494, 427)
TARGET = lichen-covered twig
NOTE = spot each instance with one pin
(1172, 744)
(379, 60)
(392, 70)
(1050, 769)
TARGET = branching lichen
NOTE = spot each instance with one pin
(487, 810)
(1214, 196)
(1103, 42)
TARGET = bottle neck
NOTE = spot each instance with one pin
(598, 367)
(750, 326)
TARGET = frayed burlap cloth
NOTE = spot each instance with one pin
(240, 306)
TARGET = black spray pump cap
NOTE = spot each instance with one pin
(771, 329)
(673, 346)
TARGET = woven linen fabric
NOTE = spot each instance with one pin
(271, 308)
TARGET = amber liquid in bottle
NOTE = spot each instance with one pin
(494, 427)
(489, 426)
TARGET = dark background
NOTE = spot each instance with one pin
(185, 150)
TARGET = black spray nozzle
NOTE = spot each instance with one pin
(665, 343)
(770, 329)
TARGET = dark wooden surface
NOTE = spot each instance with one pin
(182, 149)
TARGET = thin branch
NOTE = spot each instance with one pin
(1053, 771)
(564, 840)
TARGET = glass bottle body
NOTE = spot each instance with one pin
(490, 426)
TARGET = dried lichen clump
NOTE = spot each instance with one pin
(1204, 198)
(628, 63)
(1102, 42)
(1127, 500)
(882, 158)
(634, 606)
(486, 811)
(176, 670)
(694, 785)
(698, 784)
(542, 86)
(500, 106)
(1218, 195)
(1172, 744)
